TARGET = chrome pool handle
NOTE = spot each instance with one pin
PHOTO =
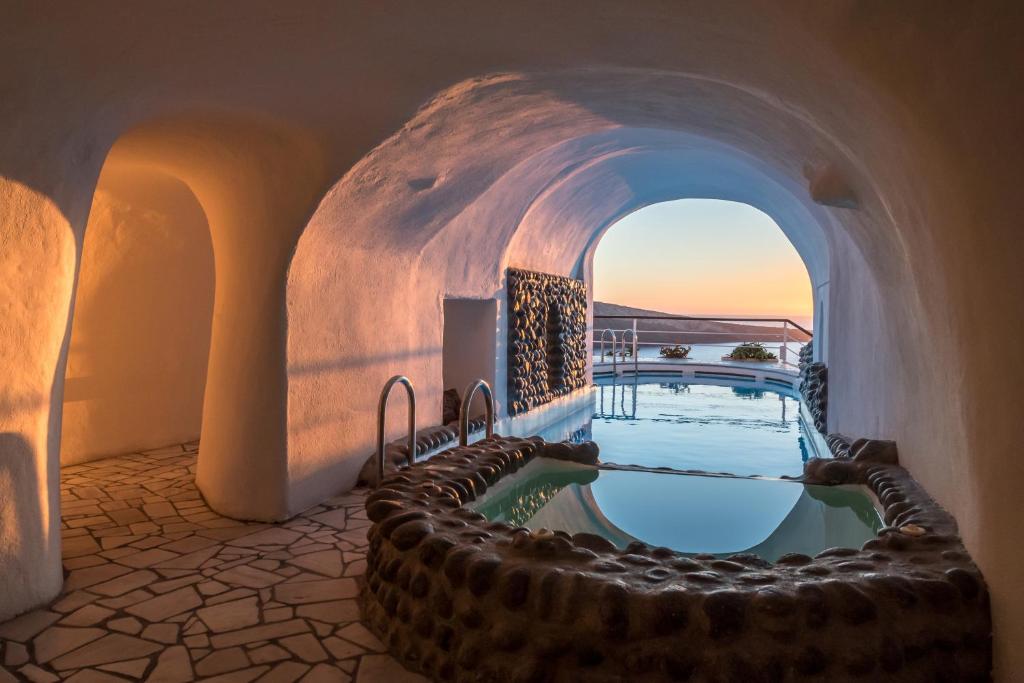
(614, 341)
(467, 398)
(382, 414)
(634, 349)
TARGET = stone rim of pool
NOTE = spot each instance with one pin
(460, 598)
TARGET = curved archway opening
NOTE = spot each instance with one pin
(180, 328)
(706, 258)
(521, 171)
(702, 257)
(143, 309)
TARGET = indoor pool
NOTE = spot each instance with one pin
(742, 430)
(687, 513)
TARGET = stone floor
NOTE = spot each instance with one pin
(158, 587)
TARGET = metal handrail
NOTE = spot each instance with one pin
(615, 364)
(467, 398)
(782, 334)
(784, 356)
(776, 336)
(633, 348)
(382, 414)
(719, 320)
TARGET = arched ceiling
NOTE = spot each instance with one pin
(530, 169)
(646, 166)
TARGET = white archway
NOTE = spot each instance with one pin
(528, 170)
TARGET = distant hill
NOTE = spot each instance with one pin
(689, 331)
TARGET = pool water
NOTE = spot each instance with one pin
(742, 430)
(687, 513)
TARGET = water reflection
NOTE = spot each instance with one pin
(689, 514)
(713, 427)
(617, 409)
(521, 498)
(749, 392)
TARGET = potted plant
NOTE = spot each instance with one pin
(751, 351)
(676, 351)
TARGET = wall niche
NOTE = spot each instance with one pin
(547, 338)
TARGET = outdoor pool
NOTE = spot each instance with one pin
(659, 422)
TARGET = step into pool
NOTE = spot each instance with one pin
(688, 513)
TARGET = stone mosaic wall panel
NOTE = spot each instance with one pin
(814, 388)
(547, 338)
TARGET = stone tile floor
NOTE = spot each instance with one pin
(158, 587)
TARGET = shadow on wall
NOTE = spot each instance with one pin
(351, 358)
(140, 339)
(24, 532)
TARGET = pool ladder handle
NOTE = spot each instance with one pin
(621, 341)
(633, 348)
(615, 365)
(381, 419)
(467, 398)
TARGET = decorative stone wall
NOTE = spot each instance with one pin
(460, 598)
(547, 338)
(814, 388)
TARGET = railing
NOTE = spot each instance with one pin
(467, 398)
(633, 350)
(603, 334)
(781, 332)
(382, 409)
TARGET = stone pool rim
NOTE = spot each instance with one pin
(457, 597)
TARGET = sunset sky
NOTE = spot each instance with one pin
(702, 257)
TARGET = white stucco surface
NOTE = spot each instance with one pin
(140, 337)
(358, 162)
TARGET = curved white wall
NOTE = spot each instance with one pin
(140, 337)
(270, 105)
(513, 170)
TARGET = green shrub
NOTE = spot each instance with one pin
(752, 351)
(676, 351)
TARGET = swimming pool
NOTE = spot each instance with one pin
(742, 438)
(736, 429)
(687, 513)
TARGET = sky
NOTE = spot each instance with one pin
(702, 257)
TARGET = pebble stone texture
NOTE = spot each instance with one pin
(460, 598)
(160, 588)
(427, 439)
(814, 388)
(547, 338)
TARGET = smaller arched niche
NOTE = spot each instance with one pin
(140, 336)
(180, 327)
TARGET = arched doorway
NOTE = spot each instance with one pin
(140, 337)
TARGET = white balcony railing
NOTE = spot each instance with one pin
(618, 339)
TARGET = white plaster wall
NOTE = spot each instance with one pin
(916, 108)
(36, 239)
(140, 337)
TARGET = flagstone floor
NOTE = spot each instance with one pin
(158, 587)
